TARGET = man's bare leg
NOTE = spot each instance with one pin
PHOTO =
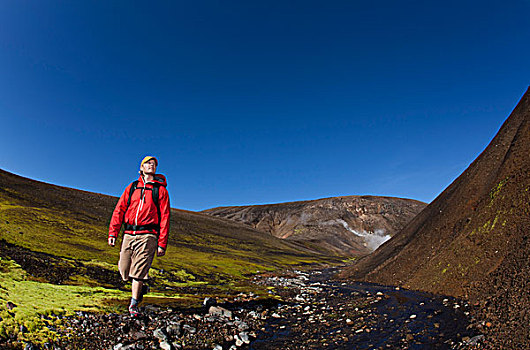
(136, 288)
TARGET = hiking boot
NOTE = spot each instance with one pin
(144, 291)
(133, 311)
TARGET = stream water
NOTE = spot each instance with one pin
(325, 314)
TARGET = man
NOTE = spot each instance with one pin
(144, 209)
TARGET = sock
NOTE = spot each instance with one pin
(134, 302)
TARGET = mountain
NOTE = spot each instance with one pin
(349, 225)
(473, 240)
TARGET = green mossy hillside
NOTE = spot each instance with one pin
(55, 258)
(73, 224)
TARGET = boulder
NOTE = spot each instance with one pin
(219, 312)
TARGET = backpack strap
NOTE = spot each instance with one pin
(134, 185)
(156, 193)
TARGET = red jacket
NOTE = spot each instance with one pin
(142, 211)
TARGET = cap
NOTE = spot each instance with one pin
(148, 158)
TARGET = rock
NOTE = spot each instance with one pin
(239, 342)
(159, 334)
(244, 337)
(349, 322)
(475, 340)
(242, 326)
(174, 330)
(189, 329)
(275, 315)
(219, 312)
(121, 346)
(412, 316)
(209, 302)
(217, 347)
(165, 345)
(138, 335)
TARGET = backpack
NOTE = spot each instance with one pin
(156, 196)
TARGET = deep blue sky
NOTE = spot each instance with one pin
(248, 102)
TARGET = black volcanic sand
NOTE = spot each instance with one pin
(315, 313)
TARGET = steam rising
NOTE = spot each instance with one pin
(372, 240)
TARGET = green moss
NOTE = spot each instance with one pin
(298, 231)
(201, 253)
(495, 191)
(33, 299)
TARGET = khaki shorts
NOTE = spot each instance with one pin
(136, 256)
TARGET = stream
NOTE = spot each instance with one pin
(319, 313)
(305, 310)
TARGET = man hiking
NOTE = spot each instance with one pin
(144, 209)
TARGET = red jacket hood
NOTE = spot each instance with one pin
(158, 178)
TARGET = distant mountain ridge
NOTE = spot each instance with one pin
(347, 225)
(474, 239)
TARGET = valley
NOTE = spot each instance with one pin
(299, 275)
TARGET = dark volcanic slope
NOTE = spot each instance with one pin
(351, 225)
(473, 239)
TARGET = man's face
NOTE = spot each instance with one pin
(149, 167)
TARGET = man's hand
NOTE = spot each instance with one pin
(112, 241)
(160, 252)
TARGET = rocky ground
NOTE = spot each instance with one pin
(312, 313)
(323, 314)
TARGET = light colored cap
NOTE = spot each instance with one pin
(148, 158)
